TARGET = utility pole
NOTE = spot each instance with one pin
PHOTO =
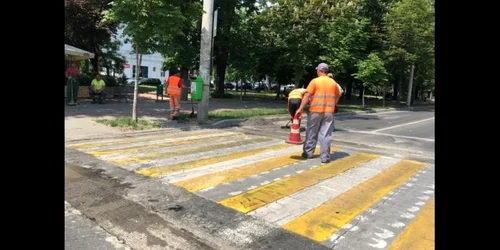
(410, 86)
(205, 57)
(214, 33)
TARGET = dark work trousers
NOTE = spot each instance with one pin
(293, 105)
(319, 128)
(72, 90)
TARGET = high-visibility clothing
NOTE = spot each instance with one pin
(297, 93)
(325, 92)
(174, 84)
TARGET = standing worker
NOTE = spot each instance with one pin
(324, 93)
(294, 100)
(72, 73)
(174, 84)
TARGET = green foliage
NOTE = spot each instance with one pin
(150, 24)
(371, 71)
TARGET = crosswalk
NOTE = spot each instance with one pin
(357, 201)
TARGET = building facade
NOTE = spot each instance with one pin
(151, 65)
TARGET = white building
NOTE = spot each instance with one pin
(151, 65)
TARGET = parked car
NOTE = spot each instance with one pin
(228, 85)
(132, 80)
(150, 82)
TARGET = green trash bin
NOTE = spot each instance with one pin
(159, 92)
(197, 89)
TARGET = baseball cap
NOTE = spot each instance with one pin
(322, 66)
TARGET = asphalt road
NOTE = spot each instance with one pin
(409, 132)
(244, 188)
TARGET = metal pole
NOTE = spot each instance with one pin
(205, 51)
(410, 86)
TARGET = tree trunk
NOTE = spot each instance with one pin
(187, 81)
(362, 94)
(361, 91)
(383, 94)
(136, 85)
(397, 89)
(95, 63)
(221, 72)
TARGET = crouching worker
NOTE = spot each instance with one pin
(174, 85)
(97, 87)
(294, 100)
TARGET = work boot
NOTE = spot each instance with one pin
(305, 156)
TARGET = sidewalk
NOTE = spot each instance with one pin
(80, 124)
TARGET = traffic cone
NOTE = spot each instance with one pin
(294, 137)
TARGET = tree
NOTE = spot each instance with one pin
(110, 58)
(371, 72)
(150, 24)
(183, 51)
(85, 27)
(409, 37)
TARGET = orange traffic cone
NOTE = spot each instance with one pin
(294, 137)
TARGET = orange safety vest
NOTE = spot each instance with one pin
(174, 85)
(324, 92)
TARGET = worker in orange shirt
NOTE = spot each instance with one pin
(324, 94)
(174, 84)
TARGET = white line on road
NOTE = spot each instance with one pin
(402, 125)
(391, 135)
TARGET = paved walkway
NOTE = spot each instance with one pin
(80, 120)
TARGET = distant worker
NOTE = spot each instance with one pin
(324, 93)
(174, 84)
(97, 88)
(294, 100)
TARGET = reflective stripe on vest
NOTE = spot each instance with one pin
(323, 101)
(173, 86)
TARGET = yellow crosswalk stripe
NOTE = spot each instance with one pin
(160, 145)
(226, 176)
(323, 221)
(139, 159)
(419, 234)
(263, 195)
(88, 145)
(164, 170)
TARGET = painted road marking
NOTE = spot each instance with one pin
(391, 135)
(290, 207)
(164, 170)
(388, 216)
(419, 234)
(404, 124)
(233, 174)
(202, 155)
(225, 165)
(130, 150)
(101, 144)
(144, 158)
(263, 195)
(349, 204)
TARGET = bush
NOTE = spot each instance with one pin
(110, 81)
(85, 80)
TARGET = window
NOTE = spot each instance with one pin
(144, 71)
(162, 73)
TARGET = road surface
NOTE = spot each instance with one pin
(244, 188)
